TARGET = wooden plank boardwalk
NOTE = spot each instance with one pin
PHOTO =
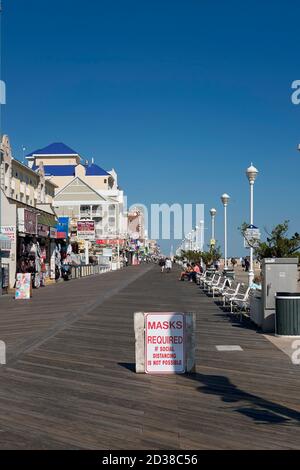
(69, 381)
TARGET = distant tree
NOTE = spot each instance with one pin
(191, 256)
(277, 245)
(211, 256)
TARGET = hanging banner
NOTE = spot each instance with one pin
(43, 230)
(62, 227)
(53, 233)
(27, 221)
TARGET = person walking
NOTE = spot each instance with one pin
(162, 264)
(168, 265)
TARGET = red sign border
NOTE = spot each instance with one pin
(184, 349)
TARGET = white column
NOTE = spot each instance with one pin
(202, 235)
(225, 235)
(251, 270)
(213, 227)
(118, 252)
(86, 250)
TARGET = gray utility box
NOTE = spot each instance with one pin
(278, 275)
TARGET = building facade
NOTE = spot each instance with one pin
(68, 170)
(26, 216)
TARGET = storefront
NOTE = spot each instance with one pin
(5, 247)
(35, 246)
(111, 252)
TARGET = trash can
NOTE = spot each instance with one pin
(287, 315)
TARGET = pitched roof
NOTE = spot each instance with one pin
(78, 190)
(57, 148)
(95, 170)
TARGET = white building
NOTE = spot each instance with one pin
(96, 191)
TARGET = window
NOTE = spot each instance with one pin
(105, 180)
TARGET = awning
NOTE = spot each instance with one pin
(47, 219)
(5, 243)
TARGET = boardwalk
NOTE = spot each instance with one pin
(69, 381)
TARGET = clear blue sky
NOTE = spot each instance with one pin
(178, 96)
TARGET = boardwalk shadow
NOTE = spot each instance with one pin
(252, 406)
(127, 365)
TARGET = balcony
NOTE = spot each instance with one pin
(98, 213)
(85, 214)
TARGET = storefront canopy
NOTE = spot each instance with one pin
(47, 219)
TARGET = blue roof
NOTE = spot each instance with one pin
(57, 148)
(95, 170)
(58, 170)
(69, 170)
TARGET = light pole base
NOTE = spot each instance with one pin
(250, 277)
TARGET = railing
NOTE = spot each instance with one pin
(88, 270)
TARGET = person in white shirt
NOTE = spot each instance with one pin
(168, 265)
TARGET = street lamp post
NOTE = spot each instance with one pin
(197, 248)
(213, 214)
(190, 238)
(251, 173)
(225, 199)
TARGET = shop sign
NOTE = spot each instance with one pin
(53, 232)
(107, 252)
(164, 343)
(23, 286)
(43, 230)
(27, 221)
(86, 230)
(252, 237)
(107, 241)
(10, 232)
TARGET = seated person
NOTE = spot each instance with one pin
(186, 272)
(256, 283)
(193, 273)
